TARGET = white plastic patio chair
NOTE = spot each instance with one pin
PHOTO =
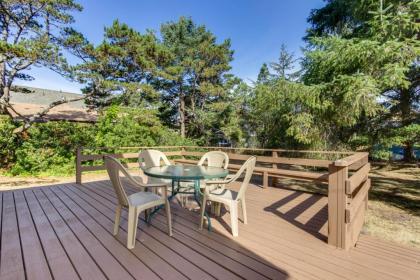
(137, 202)
(153, 158)
(229, 197)
(213, 158)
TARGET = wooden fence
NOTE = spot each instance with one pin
(345, 174)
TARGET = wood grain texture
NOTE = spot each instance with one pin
(285, 238)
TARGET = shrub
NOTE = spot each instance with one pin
(51, 147)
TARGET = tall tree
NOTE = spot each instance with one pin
(264, 75)
(285, 64)
(374, 58)
(195, 74)
(32, 35)
(120, 69)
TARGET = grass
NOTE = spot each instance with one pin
(394, 204)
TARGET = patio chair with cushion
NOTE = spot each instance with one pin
(136, 202)
(229, 197)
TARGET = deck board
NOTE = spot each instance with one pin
(65, 232)
(33, 255)
(12, 266)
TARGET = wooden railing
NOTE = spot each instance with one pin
(347, 194)
(347, 199)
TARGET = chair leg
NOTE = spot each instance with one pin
(218, 208)
(244, 216)
(203, 209)
(168, 216)
(146, 215)
(234, 217)
(133, 216)
(117, 219)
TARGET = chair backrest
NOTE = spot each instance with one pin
(114, 167)
(152, 158)
(248, 168)
(215, 159)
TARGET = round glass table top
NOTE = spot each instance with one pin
(185, 172)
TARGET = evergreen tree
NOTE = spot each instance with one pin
(374, 58)
(120, 69)
(285, 65)
(32, 35)
(264, 74)
(194, 76)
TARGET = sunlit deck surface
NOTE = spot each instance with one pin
(65, 232)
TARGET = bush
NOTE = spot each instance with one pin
(51, 147)
(8, 142)
(126, 127)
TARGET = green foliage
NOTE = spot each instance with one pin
(195, 74)
(284, 66)
(8, 141)
(365, 63)
(32, 35)
(264, 74)
(127, 127)
(119, 69)
(51, 147)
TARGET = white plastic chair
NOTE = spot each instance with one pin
(137, 202)
(229, 197)
(213, 158)
(153, 158)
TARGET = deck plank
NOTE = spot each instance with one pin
(248, 266)
(11, 261)
(85, 265)
(102, 256)
(191, 255)
(35, 262)
(99, 219)
(69, 229)
(58, 260)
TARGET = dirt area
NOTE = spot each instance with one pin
(394, 200)
(13, 183)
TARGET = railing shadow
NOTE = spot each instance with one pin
(316, 221)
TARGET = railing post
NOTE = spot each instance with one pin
(79, 165)
(275, 180)
(337, 201)
(182, 152)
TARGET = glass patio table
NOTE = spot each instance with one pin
(186, 173)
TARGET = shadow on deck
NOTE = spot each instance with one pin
(65, 231)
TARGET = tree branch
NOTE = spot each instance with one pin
(28, 121)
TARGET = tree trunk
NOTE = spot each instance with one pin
(408, 152)
(405, 108)
(182, 112)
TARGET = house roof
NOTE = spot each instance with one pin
(28, 101)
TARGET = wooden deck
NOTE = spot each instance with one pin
(65, 232)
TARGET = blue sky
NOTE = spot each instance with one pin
(256, 28)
